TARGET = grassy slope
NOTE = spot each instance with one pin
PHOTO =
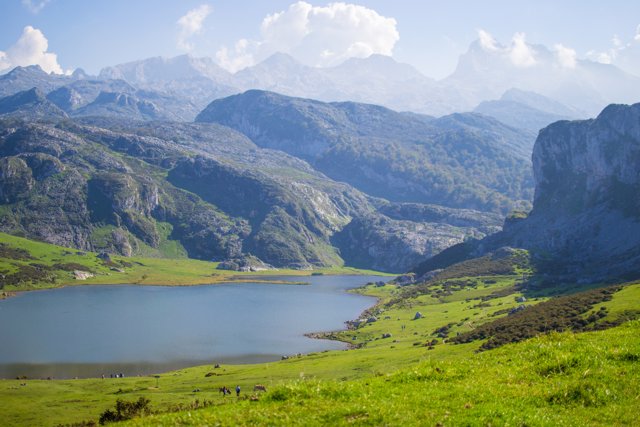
(401, 373)
(558, 379)
(158, 271)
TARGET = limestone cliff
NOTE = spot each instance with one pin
(587, 199)
(585, 221)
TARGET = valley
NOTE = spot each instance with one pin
(291, 225)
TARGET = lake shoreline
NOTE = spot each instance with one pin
(225, 280)
(141, 370)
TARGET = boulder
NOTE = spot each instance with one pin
(406, 279)
(81, 275)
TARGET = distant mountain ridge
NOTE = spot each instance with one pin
(108, 163)
(481, 75)
(527, 110)
(486, 73)
(461, 160)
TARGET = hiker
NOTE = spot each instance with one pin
(238, 390)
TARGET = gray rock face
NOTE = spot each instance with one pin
(594, 160)
(586, 205)
(397, 245)
(585, 221)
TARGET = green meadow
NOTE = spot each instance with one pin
(400, 369)
(28, 265)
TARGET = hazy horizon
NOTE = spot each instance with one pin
(62, 36)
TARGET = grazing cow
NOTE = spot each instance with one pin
(259, 387)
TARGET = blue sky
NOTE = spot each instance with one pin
(427, 34)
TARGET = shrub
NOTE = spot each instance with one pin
(558, 314)
(126, 410)
(7, 251)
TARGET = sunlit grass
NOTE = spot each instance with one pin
(403, 373)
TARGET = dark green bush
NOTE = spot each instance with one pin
(558, 314)
(126, 410)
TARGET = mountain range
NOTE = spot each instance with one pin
(117, 163)
(182, 86)
(210, 192)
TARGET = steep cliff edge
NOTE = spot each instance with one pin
(586, 212)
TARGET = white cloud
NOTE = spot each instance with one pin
(30, 49)
(487, 41)
(190, 25)
(317, 36)
(35, 6)
(565, 56)
(520, 53)
(623, 53)
(241, 58)
(616, 42)
(601, 57)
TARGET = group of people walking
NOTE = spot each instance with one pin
(224, 390)
(120, 375)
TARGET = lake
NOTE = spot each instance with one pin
(87, 331)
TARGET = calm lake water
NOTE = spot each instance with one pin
(90, 330)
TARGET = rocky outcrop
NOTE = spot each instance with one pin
(379, 242)
(586, 206)
(585, 221)
(62, 187)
